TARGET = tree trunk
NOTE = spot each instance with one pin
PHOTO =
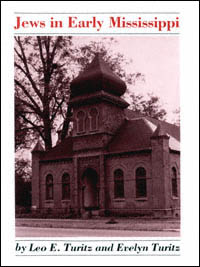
(47, 134)
(66, 123)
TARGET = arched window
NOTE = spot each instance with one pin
(141, 184)
(118, 184)
(65, 186)
(49, 187)
(174, 183)
(80, 122)
(93, 119)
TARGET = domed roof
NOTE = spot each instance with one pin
(96, 77)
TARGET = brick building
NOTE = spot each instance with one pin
(115, 162)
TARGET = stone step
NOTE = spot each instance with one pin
(95, 213)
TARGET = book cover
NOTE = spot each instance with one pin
(100, 105)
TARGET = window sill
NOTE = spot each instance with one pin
(49, 201)
(65, 200)
(173, 197)
(79, 133)
(119, 199)
(141, 199)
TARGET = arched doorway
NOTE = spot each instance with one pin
(90, 190)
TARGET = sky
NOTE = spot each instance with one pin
(157, 57)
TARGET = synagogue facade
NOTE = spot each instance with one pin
(114, 162)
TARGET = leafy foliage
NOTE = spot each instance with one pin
(150, 107)
(22, 183)
(177, 116)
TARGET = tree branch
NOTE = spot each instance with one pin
(54, 48)
(28, 75)
(18, 54)
(28, 128)
(20, 68)
(35, 111)
(53, 53)
(36, 127)
(66, 123)
(36, 108)
(41, 54)
(58, 106)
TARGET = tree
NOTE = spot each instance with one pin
(44, 67)
(37, 74)
(22, 182)
(177, 119)
(24, 136)
(20, 129)
(150, 107)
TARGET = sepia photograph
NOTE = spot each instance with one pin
(97, 136)
(100, 133)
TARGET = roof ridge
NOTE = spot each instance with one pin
(135, 113)
(38, 147)
(165, 122)
(160, 132)
(147, 122)
(134, 119)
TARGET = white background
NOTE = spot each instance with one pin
(189, 130)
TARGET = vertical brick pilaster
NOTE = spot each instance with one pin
(75, 189)
(57, 191)
(160, 171)
(102, 185)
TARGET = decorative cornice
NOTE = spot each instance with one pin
(122, 153)
(91, 134)
(96, 98)
(105, 154)
(56, 160)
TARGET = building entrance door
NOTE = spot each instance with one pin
(90, 189)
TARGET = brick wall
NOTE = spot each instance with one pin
(110, 117)
(159, 195)
(130, 204)
(57, 170)
(174, 202)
